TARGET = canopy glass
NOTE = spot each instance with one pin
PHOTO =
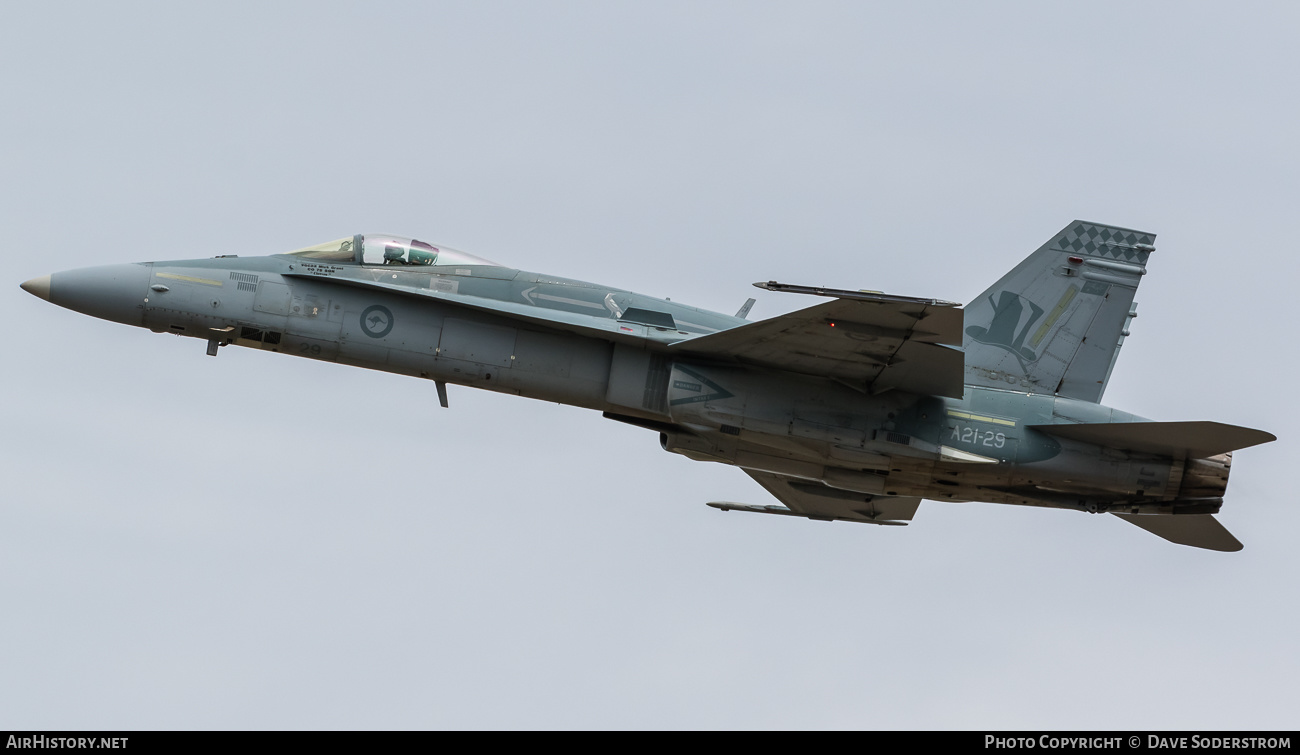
(383, 249)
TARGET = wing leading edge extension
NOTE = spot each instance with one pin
(596, 327)
(874, 342)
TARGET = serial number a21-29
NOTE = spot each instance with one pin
(977, 437)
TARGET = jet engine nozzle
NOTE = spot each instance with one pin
(1206, 478)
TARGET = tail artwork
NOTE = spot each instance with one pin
(1055, 323)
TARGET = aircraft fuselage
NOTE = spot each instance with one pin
(977, 448)
(854, 409)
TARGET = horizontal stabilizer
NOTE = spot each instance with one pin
(1195, 440)
(1197, 530)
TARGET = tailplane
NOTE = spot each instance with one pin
(1055, 323)
(1197, 530)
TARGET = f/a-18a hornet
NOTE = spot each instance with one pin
(854, 409)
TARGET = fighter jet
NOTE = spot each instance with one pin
(853, 409)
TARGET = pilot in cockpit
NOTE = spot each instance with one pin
(394, 255)
(419, 253)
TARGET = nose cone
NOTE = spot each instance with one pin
(111, 292)
(38, 287)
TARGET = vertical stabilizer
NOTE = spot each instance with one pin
(1054, 324)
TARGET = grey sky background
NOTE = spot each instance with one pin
(257, 541)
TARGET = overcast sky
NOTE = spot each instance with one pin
(258, 541)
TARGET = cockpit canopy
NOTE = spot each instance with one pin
(382, 249)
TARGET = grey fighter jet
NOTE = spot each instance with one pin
(853, 409)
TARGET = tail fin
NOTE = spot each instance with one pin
(1054, 324)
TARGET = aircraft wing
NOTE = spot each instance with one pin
(875, 342)
(816, 501)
